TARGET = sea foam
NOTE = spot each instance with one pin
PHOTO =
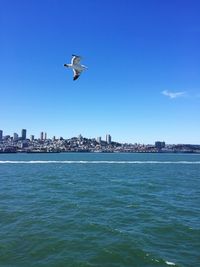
(93, 162)
(170, 263)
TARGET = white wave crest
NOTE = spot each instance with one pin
(94, 162)
(170, 263)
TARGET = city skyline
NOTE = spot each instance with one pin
(80, 143)
(43, 136)
(142, 82)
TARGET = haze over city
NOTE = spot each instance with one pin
(142, 82)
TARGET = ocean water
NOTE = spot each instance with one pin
(101, 210)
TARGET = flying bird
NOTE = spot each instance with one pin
(76, 66)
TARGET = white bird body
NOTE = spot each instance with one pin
(76, 66)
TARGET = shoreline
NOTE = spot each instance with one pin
(101, 152)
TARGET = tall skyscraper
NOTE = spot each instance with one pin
(23, 134)
(45, 136)
(1, 135)
(108, 139)
(32, 138)
(41, 135)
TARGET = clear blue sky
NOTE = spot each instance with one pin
(143, 77)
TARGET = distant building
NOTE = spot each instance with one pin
(108, 139)
(32, 138)
(1, 135)
(159, 145)
(24, 144)
(6, 137)
(54, 138)
(15, 137)
(80, 137)
(45, 136)
(41, 136)
(23, 134)
(99, 140)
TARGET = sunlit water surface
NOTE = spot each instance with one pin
(96, 209)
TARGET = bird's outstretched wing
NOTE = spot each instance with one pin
(75, 60)
(76, 74)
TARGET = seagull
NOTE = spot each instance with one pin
(76, 66)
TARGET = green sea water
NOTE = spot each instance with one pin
(101, 210)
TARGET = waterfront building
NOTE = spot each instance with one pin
(108, 139)
(1, 135)
(15, 137)
(159, 144)
(23, 134)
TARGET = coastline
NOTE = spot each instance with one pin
(102, 152)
